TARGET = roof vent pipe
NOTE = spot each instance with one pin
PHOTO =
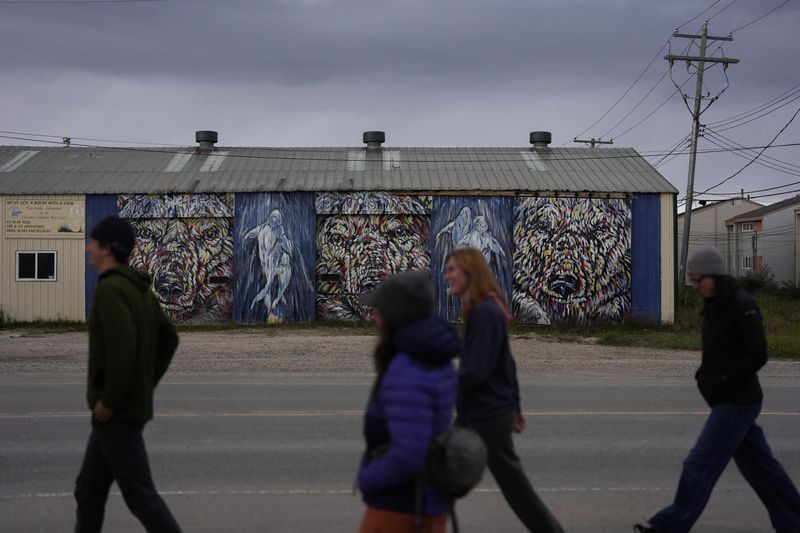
(206, 139)
(374, 139)
(540, 139)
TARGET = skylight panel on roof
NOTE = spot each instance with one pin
(391, 160)
(178, 162)
(356, 160)
(533, 160)
(19, 160)
(213, 162)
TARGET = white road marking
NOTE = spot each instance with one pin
(322, 492)
(360, 412)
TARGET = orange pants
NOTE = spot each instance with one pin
(380, 521)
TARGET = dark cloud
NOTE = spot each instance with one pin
(449, 72)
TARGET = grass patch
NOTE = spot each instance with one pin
(321, 327)
(781, 310)
(45, 326)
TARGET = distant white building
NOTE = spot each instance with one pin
(708, 224)
(766, 237)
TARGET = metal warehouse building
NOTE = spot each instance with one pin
(256, 235)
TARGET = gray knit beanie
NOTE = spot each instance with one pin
(402, 298)
(706, 261)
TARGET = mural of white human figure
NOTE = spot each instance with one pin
(458, 228)
(482, 240)
(275, 253)
(471, 232)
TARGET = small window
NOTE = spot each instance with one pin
(747, 262)
(747, 226)
(36, 266)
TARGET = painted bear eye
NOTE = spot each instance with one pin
(211, 233)
(145, 234)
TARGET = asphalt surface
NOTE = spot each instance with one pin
(278, 452)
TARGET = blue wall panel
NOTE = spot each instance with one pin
(481, 222)
(274, 242)
(98, 207)
(646, 237)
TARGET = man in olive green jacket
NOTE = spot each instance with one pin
(131, 343)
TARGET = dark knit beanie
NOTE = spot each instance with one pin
(706, 261)
(402, 298)
(117, 234)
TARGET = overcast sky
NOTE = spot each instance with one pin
(427, 72)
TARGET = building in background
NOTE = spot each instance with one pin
(709, 225)
(766, 237)
(260, 235)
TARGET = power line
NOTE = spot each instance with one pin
(634, 108)
(652, 112)
(764, 163)
(757, 155)
(31, 2)
(721, 10)
(761, 17)
(779, 164)
(61, 137)
(743, 118)
(627, 90)
(642, 74)
(698, 15)
(671, 151)
(590, 155)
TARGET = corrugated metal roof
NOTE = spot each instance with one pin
(72, 170)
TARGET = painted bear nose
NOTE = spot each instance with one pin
(168, 290)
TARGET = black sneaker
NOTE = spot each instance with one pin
(639, 528)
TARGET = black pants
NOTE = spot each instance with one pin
(116, 452)
(506, 468)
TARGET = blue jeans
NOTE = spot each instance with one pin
(731, 432)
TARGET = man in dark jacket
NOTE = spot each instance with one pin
(131, 343)
(734, 349)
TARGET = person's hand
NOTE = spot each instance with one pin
(519, 424)
(101, 412)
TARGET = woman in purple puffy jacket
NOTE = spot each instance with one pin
(412, 399)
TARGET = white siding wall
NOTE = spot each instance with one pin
(775, 243)
(62, 299)
(708, 224)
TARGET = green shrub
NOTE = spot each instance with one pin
(758, 280)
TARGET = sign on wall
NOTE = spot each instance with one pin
(34, 218)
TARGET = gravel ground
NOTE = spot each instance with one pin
(312, 351)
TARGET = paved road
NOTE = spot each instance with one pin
(270, 452)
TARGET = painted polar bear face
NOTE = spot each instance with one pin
(354, 253)
(572, 260)
(182, 255)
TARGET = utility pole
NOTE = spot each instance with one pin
(698, 96)
(591, 142)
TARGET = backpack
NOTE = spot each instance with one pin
(454, 464)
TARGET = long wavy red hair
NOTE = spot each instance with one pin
(482, 283)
